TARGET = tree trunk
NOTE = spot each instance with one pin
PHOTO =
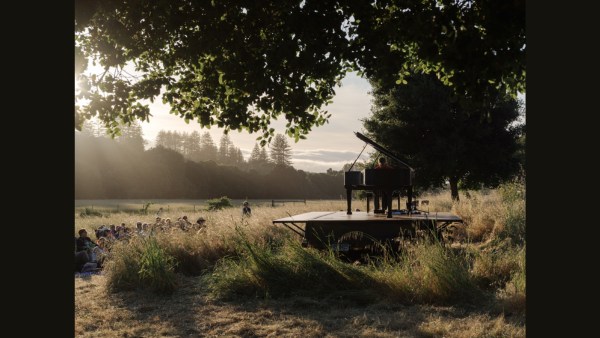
(454, 188)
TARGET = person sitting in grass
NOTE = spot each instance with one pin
(81, 257)
(84, 243)
(200, 224)
(100, 251)
(184, 224)
(85, 257)
(125, 233)
(145, 230)
(113, 230)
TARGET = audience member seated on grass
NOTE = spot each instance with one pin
(159, 224)
(184, 224)
(100, 251)
(102, 231)
(145, 231)
(124, 234)
(85, 258)
(200, 224)
(84, 242)
(113, 230)
(81, 258)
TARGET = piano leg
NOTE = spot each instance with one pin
(387, 202)
(349, 200)
(409, 200)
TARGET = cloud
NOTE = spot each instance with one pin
(317, 166)
(319, 160)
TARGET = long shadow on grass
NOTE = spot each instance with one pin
(294, 282)
(295, 292)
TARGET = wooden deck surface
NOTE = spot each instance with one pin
(340, 216)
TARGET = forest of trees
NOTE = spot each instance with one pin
(187, 166)
(198, 148)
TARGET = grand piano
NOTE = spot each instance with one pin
(381, 181)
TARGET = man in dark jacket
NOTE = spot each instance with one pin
(84, 242)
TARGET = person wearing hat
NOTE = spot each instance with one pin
(246, 211)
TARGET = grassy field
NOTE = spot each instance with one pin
(245, 277)
(133, 206)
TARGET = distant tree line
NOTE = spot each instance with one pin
(180, 166)
(198, 148)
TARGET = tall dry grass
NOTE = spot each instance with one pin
(250, 257)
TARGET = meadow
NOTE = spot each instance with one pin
(243, 276)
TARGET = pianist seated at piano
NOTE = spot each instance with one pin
(385, 200)
(382, 164)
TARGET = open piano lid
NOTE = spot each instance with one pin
(381, 149)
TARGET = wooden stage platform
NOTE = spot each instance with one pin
(341, 216)
(335, 227)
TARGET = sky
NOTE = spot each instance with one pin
(329, 146)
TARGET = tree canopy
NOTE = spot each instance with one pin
(240, 64)
(443, 138)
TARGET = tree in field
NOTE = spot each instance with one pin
(444, 137)
(241, 64)
(208, 148)
(281, 152)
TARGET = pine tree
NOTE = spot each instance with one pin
(281, 152)
(191, 146)
(208, 149)
(223, 154)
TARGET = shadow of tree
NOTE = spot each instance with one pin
(189, 312)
